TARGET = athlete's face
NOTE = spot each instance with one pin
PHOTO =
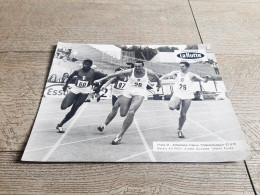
(138, 67)
(127, 67)
(183, 67)
(86, 67)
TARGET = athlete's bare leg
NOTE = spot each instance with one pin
(174, 103)
(68, 100)
(113, 113)
(78, 101)
(182, 119)
(125, 103)
(135, 104)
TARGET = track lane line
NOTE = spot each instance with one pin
(144, 142)
(54, 147)
(132, 156)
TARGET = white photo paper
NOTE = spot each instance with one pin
(135, 103)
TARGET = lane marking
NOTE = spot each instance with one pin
(209, 134)
(144, 142)
(133, 131)
(150, 111)
(51, 129)
(132, 156)
(54, 147)
(206, 129)
(112, 135)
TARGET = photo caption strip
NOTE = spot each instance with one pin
(198, 146)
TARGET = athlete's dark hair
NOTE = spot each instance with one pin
(130, 64)
(118, 69)
(88, 61)
(139, 61)
(187, 64)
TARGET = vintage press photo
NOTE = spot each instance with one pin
(135, 103)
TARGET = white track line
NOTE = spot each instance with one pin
(144, 142)
(150, 111)
(209, 134)
(51, 129)
(95, 138)
(97, 115)
(132, 156)
(113, 135)
(205, 129)
(111, 122)
(54, 147)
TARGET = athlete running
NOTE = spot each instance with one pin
(183, 92)
(132, 98)
(119, 83)
(80, 90)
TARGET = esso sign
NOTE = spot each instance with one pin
(54, 90)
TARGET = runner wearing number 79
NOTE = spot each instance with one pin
(80, 90)
(133, 95)
(183, 92)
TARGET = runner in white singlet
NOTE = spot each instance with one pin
(134, 93)
(183, 92)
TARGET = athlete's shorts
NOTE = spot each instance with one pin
(134, 92)
(117, 92)
(183, 95)
(78, 90)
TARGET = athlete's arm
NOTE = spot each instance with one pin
(69, 79)
(152, 74)
(173, 73)
(205, 80)
(108, 83)
(121, 73)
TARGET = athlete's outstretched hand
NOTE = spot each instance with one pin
(98, 81)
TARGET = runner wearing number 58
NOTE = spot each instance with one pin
(133, 95)
(79, 91)
(183, 91)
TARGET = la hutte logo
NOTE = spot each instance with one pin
(190, 55)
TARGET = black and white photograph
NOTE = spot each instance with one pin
(135, 103)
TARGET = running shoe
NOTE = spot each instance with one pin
(117, 140)
(101, 128)
(60, 129)
(180, 134)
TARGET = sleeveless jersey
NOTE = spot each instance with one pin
(137, 83)
(136, 86)
(119, 85)
(183, 87)
(84, 81)
(183, 83)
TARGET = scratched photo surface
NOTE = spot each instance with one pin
(135, 103)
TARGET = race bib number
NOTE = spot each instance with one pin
(183, 87)
(138, 84)
(120, 85)
(81, 84)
